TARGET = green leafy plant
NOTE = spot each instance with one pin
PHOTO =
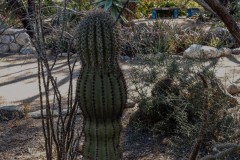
(114, 6)
(144, 8)
(7, 18)
(167, 4)
(80, 5)
(101, 86)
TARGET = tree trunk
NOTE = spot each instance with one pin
(226, 18)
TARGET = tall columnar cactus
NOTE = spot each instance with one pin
(101, 87)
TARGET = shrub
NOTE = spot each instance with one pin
(165, 36)
(173, 101)
(161, 36)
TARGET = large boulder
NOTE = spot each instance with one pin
(205, 52)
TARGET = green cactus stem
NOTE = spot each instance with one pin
(101, 87)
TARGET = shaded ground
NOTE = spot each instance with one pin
(19, 83)
(21, 139)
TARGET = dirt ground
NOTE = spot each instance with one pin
(22, 139)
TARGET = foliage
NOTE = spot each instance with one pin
(7, 18)
(114, 6)
(151, 38)
(66, 19)
(167, 4)
(192, 4)
(235, 9)
(172, 99)
(165, 36)
(51, 7)
(80, 5)
(144, 7)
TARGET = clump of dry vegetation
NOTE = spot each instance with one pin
(166, 36)
(180, 99)
(174, 102)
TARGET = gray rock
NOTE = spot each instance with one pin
(220, 31)
(233, 89)
(22, 38)
(64, 54)
(11, 31)
(10, 112)
(206, 29)
(10, 108)
(37, 114)
(125, 58)
(14, 47)
(225, 51)
(4, 48)
(48, 52)
(205, 52)
(199, 51)
(75, 55)
(28, 50)
(6, 39)
(236, 51)
(130, 104)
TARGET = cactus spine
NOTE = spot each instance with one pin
(101, 87)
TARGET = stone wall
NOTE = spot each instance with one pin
(15, 41)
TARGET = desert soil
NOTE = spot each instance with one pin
(22, 139)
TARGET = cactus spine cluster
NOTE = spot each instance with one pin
(101, 87)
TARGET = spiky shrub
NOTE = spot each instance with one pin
(101, 86)
(172, 100)
(167, 37)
